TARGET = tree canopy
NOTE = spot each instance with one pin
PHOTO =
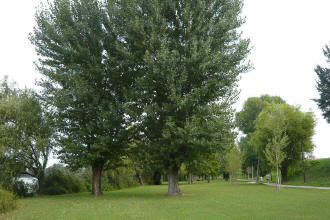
(26, 134)
(191, 54)
(245, 120)
(252, 107)
(298, 127)
(174, 64)
(85, 82)
(323, 86)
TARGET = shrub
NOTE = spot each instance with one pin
(7, 202)
(20, 189)
(60, 182)
(119, 178)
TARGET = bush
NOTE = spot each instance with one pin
(21, 189)
(118, 179)
(7, 202)
(59, 182)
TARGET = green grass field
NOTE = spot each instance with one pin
(217, 200)
(317, 174)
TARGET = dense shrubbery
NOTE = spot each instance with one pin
(7, 201)
(60, 182)
(22, 189)
(119, 178)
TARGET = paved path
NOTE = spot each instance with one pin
(288, 186)
(304, 187)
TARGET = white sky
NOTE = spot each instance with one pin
(287, 38)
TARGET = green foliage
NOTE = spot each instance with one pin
(275, 123)
(245, 120)
(122, 177)
(7, 202)
(323, 85)
(60, 182)
(22, 189)
(86, 81)
(233, 162)
(249, 154)
(317, 173)
(26, 134)
(252, 107)
(190, 54)
(298, 127)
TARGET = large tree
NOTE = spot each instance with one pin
(323, 86)
(87, 82)
(299, 129)
(251, 109)
(26, 135)
(245, 120)
(191, 54)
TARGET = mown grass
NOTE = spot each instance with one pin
(317, 174)
(217, 200)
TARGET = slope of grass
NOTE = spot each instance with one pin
(317, 174)
(217, 200)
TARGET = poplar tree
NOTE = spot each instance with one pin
(191, 54)
(86, 83)
(323, 86)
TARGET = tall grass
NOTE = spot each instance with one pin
(7, 202)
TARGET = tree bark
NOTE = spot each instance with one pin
(257, 181)
(190, 178)
(96, 178)
(138, 175)
(157, 177)
(284, 173)
(173, 182)
(252, 171)
(303, 162)
(41, 184)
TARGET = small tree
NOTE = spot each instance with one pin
(274, 122)
(234, 162)
(274, 153)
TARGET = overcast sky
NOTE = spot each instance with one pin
(287, 38)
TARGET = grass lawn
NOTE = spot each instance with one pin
(217, 200)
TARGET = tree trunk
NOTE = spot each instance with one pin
(41, 184)
(252, 171)
(96, 178)
(208, 178)
(303, 162)
(277, 179)
(284, 172)
(138, 175)
(157, 177)
(173, 182)
(257, 181)
(190, 178)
